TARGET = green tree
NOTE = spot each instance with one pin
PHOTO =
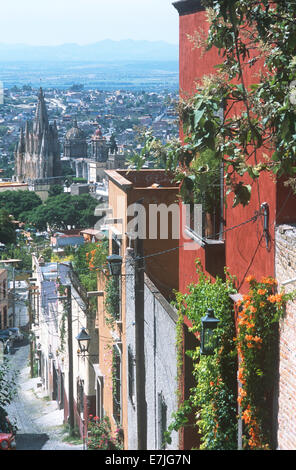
(113, 144)
(18, 251)
(19, 202)
(3, 130)
(59, 212)
(7, 388)
(55, 190)
(7, 230)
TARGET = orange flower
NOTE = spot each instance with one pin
(257, 339)
(250, 279)
(269, 280)
(241, 375)
(249, 337)
(262, 291)
(246, 416)
(277, 298)
(253, 309)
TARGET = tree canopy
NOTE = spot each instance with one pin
(18, 202)
(7, 230)
(59, 212)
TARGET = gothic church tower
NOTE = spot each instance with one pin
(37, 155)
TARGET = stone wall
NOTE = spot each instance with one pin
(285, 269)
(160, 363)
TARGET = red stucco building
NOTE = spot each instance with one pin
(243, 246)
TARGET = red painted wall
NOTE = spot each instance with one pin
(192, 66)
(245, 248)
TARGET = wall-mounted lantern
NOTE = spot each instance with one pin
(83, 340)
(208, 340)
(114, 264)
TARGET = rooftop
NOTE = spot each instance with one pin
(142, 179)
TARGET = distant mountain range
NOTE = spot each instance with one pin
(104, 51)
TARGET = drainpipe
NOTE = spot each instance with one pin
(140, 342)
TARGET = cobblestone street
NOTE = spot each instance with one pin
(39, 420)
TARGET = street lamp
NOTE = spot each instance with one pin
(114, 263)
(83, 340)
(208, 340)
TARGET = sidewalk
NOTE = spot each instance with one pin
(39, 420)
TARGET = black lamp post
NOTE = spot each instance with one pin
(115, 263)
(208, 341)
(83, 340)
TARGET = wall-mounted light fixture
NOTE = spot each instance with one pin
(265, 208)
(83, 340)
(114, 264)
(208, 340)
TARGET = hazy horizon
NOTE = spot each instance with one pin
(83, 22)
(23, 43)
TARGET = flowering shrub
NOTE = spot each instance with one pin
(257, 340)
(100, 436)
(89, 260)
(214, 394)
(254, 342)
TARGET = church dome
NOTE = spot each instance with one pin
(98, 134)
(75, 132)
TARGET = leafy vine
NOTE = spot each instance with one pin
(213, 398)
(257, 340)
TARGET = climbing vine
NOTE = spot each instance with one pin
(112, 300)
(62, 293)
(257, 340)
(213, 398)
(247, 344)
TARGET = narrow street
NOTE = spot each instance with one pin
(39, 420)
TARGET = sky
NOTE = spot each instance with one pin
(54, 22)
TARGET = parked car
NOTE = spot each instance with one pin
(17, 334)
(6, 334)
(6, 337)
(7, 435)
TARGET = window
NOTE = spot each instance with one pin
(116, 383)
(5, 317)
(80, 397)
(4, 289)
(131, 374)
(99, 397)
(204, 219)
(162, 420)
